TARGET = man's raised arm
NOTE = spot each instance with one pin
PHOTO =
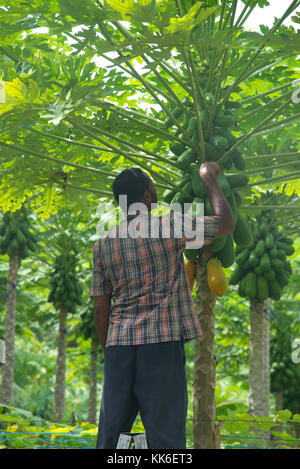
(209, 172)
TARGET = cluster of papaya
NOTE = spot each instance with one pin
(262, 269)
(283, 371)
(16, 237)
(217, 141)
(65, 288)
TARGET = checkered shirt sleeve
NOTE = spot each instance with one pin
(101, 285)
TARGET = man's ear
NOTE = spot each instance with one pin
(146, 198)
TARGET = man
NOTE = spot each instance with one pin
(152, 316)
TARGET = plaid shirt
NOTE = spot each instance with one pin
(151, 298)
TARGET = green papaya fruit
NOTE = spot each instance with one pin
(227, 255)
(262, 288)
(242, 234)
(250, 285)
(217, 244)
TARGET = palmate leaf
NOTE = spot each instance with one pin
(134, 11)
(195, 16)
(48, 201)
(15, 92)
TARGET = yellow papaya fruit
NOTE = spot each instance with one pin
(216, 278)
(190, 268)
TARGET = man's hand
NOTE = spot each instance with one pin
(209, 173)
(208, 170)
(101, 316)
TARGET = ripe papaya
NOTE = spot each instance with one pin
(216, 278)
(190, 268)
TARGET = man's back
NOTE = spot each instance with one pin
(146, 275)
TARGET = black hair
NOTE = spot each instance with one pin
(132, 182)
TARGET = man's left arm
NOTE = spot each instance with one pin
(101, 290)
(101, 316)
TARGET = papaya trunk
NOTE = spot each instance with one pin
(59, 396)
(9, 335)
(259, 367)
(93, 383)
(205, 365)
(279, 400)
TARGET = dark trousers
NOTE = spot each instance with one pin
(149, 378)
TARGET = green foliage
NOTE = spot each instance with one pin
(285, 376)
(16, 237)
(263, 267)
(65, 288)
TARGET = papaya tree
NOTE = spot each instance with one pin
(196, 72)
(284, 372)
(262, 272)
(87, 329)
(65, 295)
(18, 242)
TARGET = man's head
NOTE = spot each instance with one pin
(136, 185)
